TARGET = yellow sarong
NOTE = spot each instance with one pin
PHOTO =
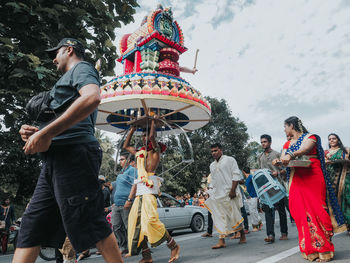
(143, 217)
(144, 221)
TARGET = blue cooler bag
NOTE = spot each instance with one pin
(268, 188)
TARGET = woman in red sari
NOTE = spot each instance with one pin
(308, 193)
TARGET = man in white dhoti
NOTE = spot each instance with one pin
(225, 199)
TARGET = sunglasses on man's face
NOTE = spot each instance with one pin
(121, 160)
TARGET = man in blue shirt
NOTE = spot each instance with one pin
(122, 202)
(252, 202)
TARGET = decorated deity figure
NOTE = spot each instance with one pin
(165, 23)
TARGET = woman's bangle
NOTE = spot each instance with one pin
(291, 154)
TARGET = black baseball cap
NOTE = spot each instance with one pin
(66, 42)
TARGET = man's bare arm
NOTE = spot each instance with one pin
(81, 108)
(188, 70)
(126, 144)
(307, 147)
(132, 194)
(152, 135)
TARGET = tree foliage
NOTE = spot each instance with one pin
(108, 149)
(223, 128)
(254, 150)
(27, 28)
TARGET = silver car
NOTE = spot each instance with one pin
(176, 215)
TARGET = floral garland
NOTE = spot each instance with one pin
(150, 148)
(141, 155)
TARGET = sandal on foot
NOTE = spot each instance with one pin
(269, 240)
(173, 246)
(217, 246)
(284, 237)
(84, 255)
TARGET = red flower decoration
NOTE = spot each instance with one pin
(161, 145)
(141, 156)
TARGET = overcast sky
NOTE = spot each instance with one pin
(270, 59)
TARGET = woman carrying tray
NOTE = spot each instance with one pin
(338, 168)
(312, 201)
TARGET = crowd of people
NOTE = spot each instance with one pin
(118, 198)
(70, 203)
(314, 243)
(317, 211)
(197, 199)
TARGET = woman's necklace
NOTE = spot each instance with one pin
(332, 151)
(293, 141)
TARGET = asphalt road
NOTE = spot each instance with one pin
(194, 249)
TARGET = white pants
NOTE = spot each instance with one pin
(252, 204)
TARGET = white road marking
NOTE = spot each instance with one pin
(283, 254)
(280, 256)
(190, 236)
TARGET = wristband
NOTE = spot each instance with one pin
(129, 200)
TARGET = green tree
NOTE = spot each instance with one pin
(27, 28)
(108, 149)
(254, 150)
(223, 128)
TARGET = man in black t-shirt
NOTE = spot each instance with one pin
(67, 199)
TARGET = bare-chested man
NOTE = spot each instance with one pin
(144, 224)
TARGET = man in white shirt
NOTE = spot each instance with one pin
(225, 199)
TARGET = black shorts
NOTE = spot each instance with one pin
(67, 200)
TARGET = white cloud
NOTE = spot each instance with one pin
(296, 52)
